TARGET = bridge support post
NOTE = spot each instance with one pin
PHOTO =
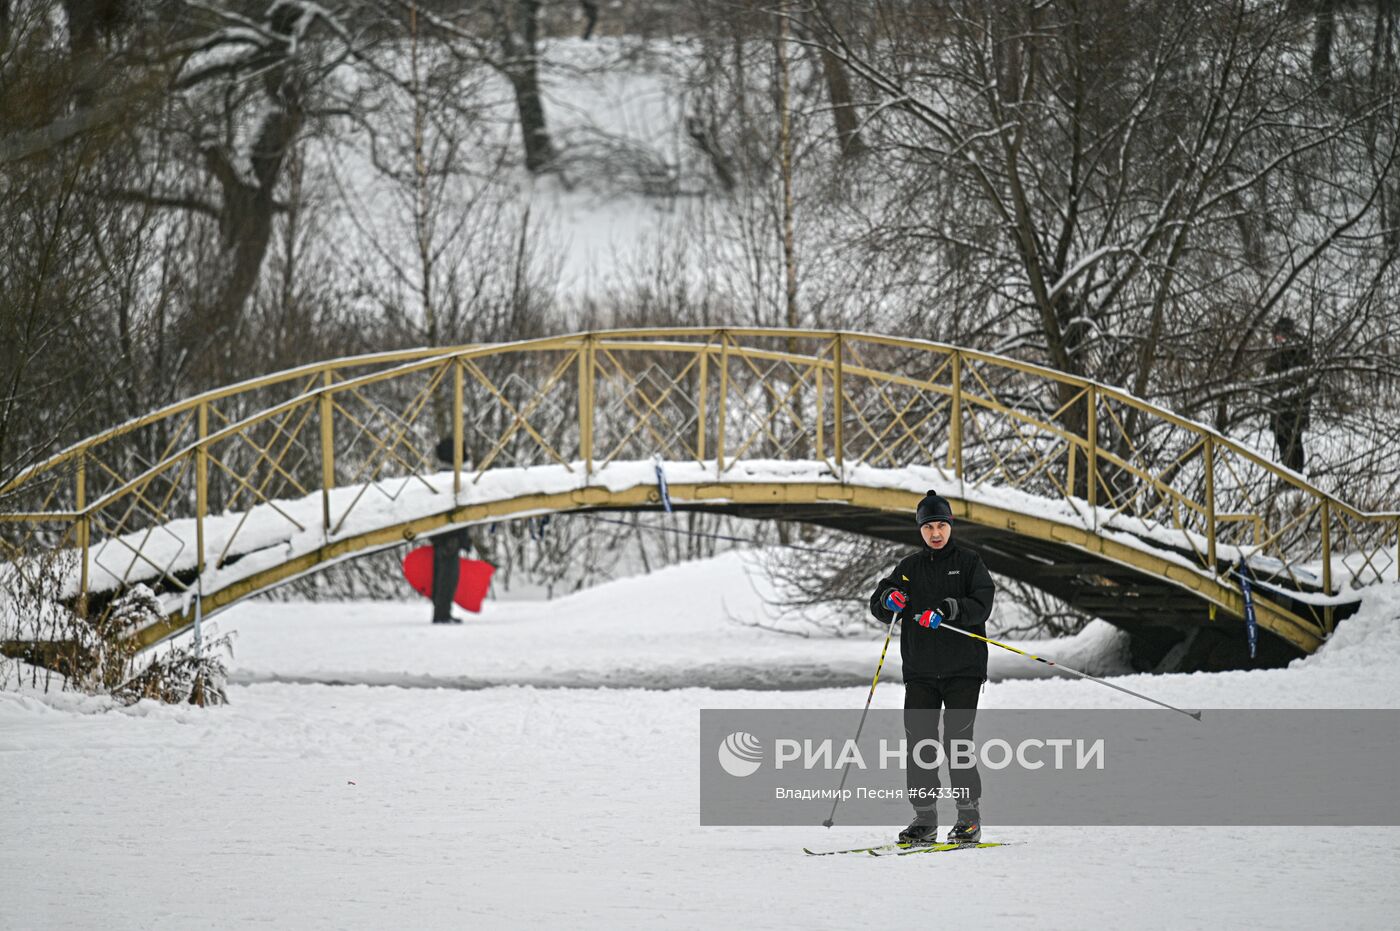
(1071, 473)
(84, 532)
(700, 401)
(457, 431)
(1327, 619)
(955, 451)
(1210, 505)
(201, 484)
(327, 455)
(585, 406)
(201, 489)
(1091, 430)
(723, 400)
(839, 409)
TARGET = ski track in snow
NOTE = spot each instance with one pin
(361, 806)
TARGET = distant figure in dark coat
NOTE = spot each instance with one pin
(448, 548)
(1288, 364)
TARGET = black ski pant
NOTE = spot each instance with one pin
(922, 699)
(1288, 435)
(447, 549)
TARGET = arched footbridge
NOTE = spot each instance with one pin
(1121, 508)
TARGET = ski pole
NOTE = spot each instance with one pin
(1075, 672)
(845, 770)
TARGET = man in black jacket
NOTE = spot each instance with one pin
(943, 581)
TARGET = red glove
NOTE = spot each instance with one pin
(930, 619)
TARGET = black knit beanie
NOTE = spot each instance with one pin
(933, 507)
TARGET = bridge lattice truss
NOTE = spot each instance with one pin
(341, 453)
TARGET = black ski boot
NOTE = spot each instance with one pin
(923, 829)
(968, 828)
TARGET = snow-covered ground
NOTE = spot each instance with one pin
(697, 624)
(312, 805)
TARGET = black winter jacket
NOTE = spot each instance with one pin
(927, 577)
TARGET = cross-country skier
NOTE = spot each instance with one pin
(943, 581)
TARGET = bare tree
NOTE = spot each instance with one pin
(79, 275)
(1135, 195)
(1087, 165)
(517, 30)
(504, 35)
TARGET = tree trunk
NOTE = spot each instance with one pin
(1325, 26)
(785, 168)
(245, 228)
(522, 69)
(843, 111)
(539, 147)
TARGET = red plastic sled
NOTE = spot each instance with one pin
(472, 580)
